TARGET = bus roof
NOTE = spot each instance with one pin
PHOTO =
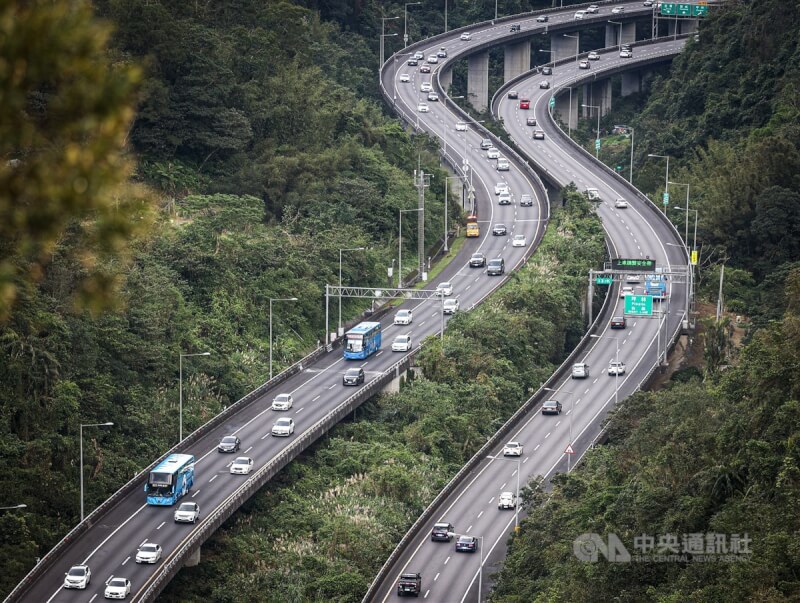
(364, 327)
(172, 462)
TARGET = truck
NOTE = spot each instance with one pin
(655, 285)
(473, 230)
(409, 584)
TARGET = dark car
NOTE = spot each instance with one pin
(547, 71)
(499, 230)
(542, 19)
(551, 407)
(466, 544)
(478, 260)
(353, 376)
(425, 69)
(496, 267)
(442, 532)
(515, 27)
(486, 143)
(618, 322)
(409, 584)
(513, 94)
(413, 62)
(229, 444)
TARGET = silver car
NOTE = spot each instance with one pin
(188, 512)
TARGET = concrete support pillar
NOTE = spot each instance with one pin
(587, 98)
(602, 95)
(478, 81)
(612, 33)
(569, 115)
(193, 559)
(689, 25)
(517, 59)
(446, 79)
(393, 386)
(562, 47)
(672, 24)
(631, 82)
(628, 33)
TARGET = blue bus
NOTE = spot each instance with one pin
(362, 340)
(655, 285)
(170, 479)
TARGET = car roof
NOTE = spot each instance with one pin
(354, 369)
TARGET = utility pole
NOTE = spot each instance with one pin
(421, 221)
(719, 295)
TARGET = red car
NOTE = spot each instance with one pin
(618, 322)
(524, 103)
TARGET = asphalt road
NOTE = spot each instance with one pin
(633, 233)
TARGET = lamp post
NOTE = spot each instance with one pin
(82, 425)
(400, 247)
(666, 181)
(405, 21)
(596, 147)
(278, 299)
(180, 389)
(630, 176)
(616, 373)
(571, 412)
(383, 35)
(19, 506)
(339, 329)
(446, 195)
(577, 46)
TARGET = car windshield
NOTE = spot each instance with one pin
(465, 539)
(149, 548)
(229, 440)
(519, 237)
(282, 398)
(403, 313)
(353, 372)
(401, 339)
(283, 422)
(117, 582)
(513, 444)
(77, 571)
(444, 286)
(186, 507)
(242, 460)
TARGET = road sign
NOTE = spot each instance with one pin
(569, 449)
(603, 280)
(640, 305)
(668, 8)
(597, 144)
(552, 102)
(694, 257)
(666, 198)
(699, 10)
(684, 10)
(637, 264)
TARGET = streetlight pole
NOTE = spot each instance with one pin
(339, 329)
(180, 390)
(630, 177)
(19, 506)
(405, 21)
(666, 180)
(383, 35)
(271, 300)
(596, 148)
(82, 425)
(400, 247)
(446, 195)
(686, 222)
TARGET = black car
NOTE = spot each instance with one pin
(413, 62)
(513, 94)
(478, 260)
(515, 27)
(353, 376)
(442, 532)
(467, 544)
(409, 584)
(499, 230)
(229, 444)
(617, 322)
(496, 267)
(547, 71)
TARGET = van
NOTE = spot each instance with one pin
(496, 267)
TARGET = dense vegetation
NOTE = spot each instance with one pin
(322, 529)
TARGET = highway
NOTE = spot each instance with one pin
(633, 232)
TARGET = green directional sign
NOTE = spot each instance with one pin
(684, 10)
(668, 8)
(699, 10)
(552, 102)
(603, 280)
(666, 198)
(636, 264)
(639, 305)
(597, 144)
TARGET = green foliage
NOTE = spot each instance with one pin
(322, 528)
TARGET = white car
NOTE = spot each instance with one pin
(282, 402)
(149, 552)
(433, 59)
(512, 449)
(403, 317)
(507, 500)
(617, 367)
(242, 465)
(450, 306)
(625, 54)
(493, 153)
(544, 84)
(188, 512)
(402, 343)
(405, 78)
(423, 108)
(283, 427)
(466, 36)
(593, 194)
(425, 87)
(583, 64)
(625, 291)
(461, 126)
(633, 278)
(433, 97)
(78, 576)
(502, 164)
(620, 203)
(617, 10)
(504, 199)
(117, 588)
(444, 289)
(593, 56)
(500, 188)
(579, 14)
(419, 55)
(593, 9)
(580, 370)
(519, 241)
